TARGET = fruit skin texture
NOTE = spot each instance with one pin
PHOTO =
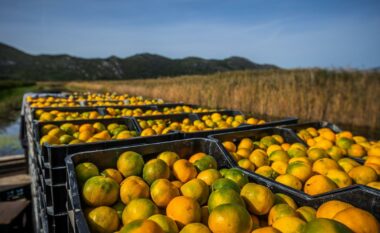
(84, 171)
(322, 166)
(167, 224)
(103, 219)
(300, 170)
(358, 220)
(237, 176)
(323, 225)
(141, 226)
(224, 196)
(230, 218)
(290, 180)
(279, 211)
(113, 173)
(162, 191)
(141, 208)
(266, 230)
(168, 157)
(195, 227)
(197, 189)
(318, 184)
(363, 174)
(306, 213)
(225, 183)
(99, 191)
(184, 210)
(375, 185)
(331, 208)
(281, 198)
(347, 164)
(155, 169)
(206, 162)
(184, 171)
(133, 187)
(209, 176)
(258, 198)
(340, 178)
(289, 224)
(130, 164)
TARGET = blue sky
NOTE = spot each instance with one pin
(308, 33)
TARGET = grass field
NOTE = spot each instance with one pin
(348, 98)
(11, 93)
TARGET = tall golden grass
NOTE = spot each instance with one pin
(349, 98)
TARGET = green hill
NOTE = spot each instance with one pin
(18, 65)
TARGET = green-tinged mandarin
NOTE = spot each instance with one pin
(324, 225)
(206, 162)
(196, 189)
(99, 191)
(307, 213)
(224, 196)
(84, 171)
(225, 183)
(103, 219)
(155, 169)
(300, 170)
(195, 228)
(130, 164)
(290, 224)
(279, 211)
(141, 208)
(167, 224)
(281, 198)
(237, 176)
(231, 218)
(141, 226)
(258, 198)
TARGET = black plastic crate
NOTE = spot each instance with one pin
(161, 107)
(193, 117)
(317, 125)
(55, 154)
(78, 109)
(274, 123)
(22, 133)
(51, 166)
(222, 112)
(107, 158)
(170, 117)
(371, 195)
(57, 223)
(131, 107)
(255, 134)
(43, 221)
(360, 196)
(44, 95)
(37, 125)
(243, 126)
(54, 196)
(56, 175)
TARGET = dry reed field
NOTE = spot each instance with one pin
(349, 98)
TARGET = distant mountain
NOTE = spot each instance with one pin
(16, 64)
